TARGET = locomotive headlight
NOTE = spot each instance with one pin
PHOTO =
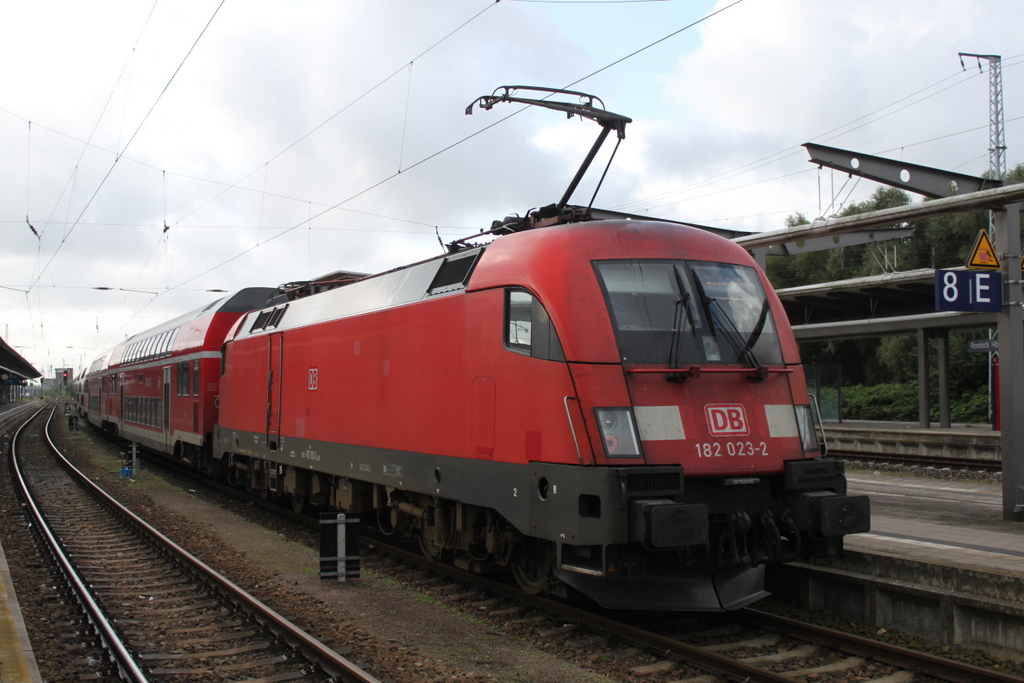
(805, 424)
(618, 432)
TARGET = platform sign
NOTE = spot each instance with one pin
(964, 290)
(983, 255)
(983, 345)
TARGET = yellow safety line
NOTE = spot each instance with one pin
(13, 665)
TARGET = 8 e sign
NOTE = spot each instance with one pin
(961, 290)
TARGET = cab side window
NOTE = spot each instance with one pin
(528, 328)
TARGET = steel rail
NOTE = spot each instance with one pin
(713, 662)
(939, 667)
(944, 669)
(918, 460)
(112, 642)
(330, 661)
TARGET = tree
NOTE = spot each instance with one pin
(940, 242)
(799, 269)
(946, 241)
(834, 264)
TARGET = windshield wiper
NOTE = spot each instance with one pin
(705, 304)
(682, 311)
(728, 327)
(755, 334)
(733, 335)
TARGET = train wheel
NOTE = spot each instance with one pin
(427, 547)
(532, 566)
(298, 501)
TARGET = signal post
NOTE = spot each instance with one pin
(1006, 223)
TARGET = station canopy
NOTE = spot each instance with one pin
(13, 366)
(892, 303)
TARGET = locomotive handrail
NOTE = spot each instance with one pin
(572, 429)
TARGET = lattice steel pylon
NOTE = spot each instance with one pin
(996, 132)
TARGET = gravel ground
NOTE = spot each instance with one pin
(402, 634)
(399, 632)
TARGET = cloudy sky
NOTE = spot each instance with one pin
(278, 141)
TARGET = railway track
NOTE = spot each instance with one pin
(749, 645)
(918, 460)
(158, 611)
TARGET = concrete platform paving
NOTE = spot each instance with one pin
(17, 660)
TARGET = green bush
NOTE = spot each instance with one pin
(898, 403)
(971, 408)
(892, 402)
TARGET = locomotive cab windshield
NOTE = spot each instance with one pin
(689, 313)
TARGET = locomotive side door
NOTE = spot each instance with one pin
(274, 364)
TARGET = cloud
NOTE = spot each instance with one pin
(389, 163)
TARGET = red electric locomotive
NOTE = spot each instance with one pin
(615, 407)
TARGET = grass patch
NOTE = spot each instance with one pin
(428, 599)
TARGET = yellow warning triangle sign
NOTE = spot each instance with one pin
(984, 254)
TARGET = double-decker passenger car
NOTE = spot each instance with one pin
(158, 388)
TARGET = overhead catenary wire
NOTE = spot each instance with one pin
(87, 143)
(465, 138)
(587, 2)
(348, 106)
(800, 150)
(28, 182)
(405, 118)
(794, 150)
(827, 136)
(265, 195)
(130, 139)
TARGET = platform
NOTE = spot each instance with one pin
(978, 442)
(17, 660)
(938, 562)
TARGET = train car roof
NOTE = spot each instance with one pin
(554, 262)
(181, 333)
(607, 214)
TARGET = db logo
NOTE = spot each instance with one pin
(727, 419)
(314, 378)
